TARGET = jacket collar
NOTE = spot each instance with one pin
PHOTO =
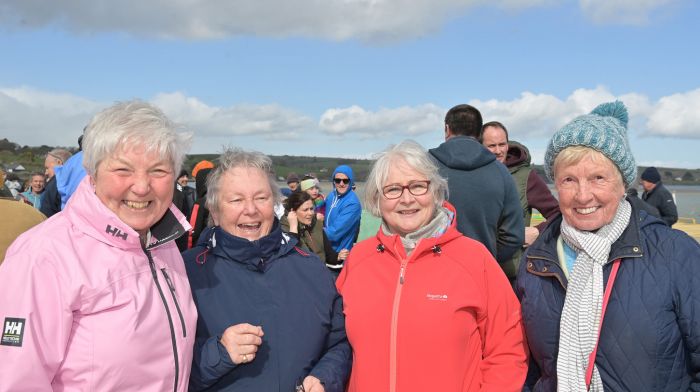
(256, 255)
(93, 218)
(392, 243)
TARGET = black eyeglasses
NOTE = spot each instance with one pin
(416, 188)
(343, 180)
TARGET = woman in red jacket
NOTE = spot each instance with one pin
(427, 309)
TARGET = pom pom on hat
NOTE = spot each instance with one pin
(604, 130)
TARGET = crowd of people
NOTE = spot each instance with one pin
(139, 282)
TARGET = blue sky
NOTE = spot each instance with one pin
(349, 77)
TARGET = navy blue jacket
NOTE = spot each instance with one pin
(662, 199)
(271, 283)
(650, 338)
(484, 195)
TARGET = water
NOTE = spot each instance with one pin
(687, 200)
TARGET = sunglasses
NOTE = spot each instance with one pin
(343, 180)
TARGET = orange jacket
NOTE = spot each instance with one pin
(444, 319)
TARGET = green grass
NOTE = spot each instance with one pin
(368, 226)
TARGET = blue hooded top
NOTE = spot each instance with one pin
(68, 177)
(343, 213)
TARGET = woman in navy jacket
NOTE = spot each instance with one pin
(270, 318)
(605, 283)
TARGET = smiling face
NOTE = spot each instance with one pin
(305, 212)
(38, 183)
(136, 185)
(341, 183)
(407, 213)
(245, 203)
(589, 191)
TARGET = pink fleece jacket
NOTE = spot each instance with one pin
(84, 307)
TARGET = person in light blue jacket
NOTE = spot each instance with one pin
(343, 210)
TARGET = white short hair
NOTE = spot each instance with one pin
(132, 123)
(415, 156)
(232, 158)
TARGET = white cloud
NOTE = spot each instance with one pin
(634, 12)
(267, 121)
(408, 121)
(33, 117)
(676, 115)
(369, 20)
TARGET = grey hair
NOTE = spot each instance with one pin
(133, 123)
(232, 158)
(415, 156)
(59, 154)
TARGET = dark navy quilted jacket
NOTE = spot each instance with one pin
(650, 339)
(267, 282)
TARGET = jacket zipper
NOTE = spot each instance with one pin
(170, 318)
(394, 327)
(177, 304)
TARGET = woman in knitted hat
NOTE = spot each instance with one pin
(609, 294)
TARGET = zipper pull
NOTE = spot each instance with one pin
(167, 280)
(403, 268)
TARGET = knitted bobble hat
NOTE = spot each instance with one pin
(604, 130)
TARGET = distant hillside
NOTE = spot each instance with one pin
(32, 158)
(322, 167)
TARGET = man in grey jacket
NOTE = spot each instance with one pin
(480, 188)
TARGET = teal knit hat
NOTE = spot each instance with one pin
(604, 130)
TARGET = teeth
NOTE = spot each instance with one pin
(138, 205)
(586, 211)
(250, 226)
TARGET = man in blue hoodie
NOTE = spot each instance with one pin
(480, 188)
(343, 212)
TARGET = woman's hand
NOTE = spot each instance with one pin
(293, 222)
(313, 384)
(242, 342)
(343, 254)
(319, 216)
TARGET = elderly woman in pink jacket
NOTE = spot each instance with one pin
(96, 298)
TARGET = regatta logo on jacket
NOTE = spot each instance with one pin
(12, 332)
(116, 232)
(436, 297)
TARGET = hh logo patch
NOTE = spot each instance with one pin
(12, 332)
(116, 232)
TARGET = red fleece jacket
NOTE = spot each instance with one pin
(444, 319)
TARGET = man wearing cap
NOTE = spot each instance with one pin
(292, 183)
(657, 195)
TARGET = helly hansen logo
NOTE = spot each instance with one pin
(116, 232)
(12, 332)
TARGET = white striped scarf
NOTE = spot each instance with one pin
(580, 318)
